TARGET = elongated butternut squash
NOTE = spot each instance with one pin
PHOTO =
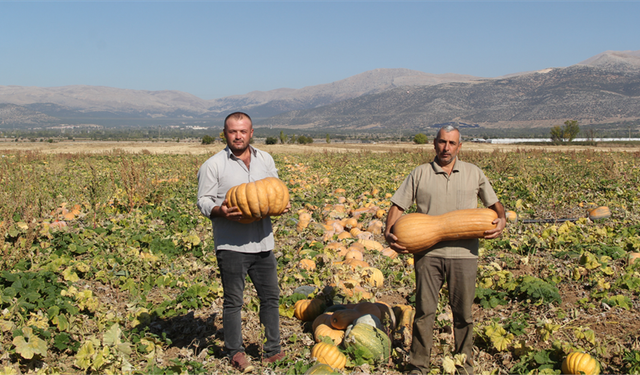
(418, 232)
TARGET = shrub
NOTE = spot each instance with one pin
(420, 139)
(207, 140)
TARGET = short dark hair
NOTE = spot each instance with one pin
(237, 116)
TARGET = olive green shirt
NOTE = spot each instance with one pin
(436, 193)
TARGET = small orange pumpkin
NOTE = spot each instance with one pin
(308, 309)
(598, 213)
(323, 330)
(329, 355)
(307, 264)
(354, 254)
(580, 363)
(373, 277)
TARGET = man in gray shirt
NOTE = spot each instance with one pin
(241, 249)
(444, 185)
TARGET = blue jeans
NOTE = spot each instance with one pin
(262, 269)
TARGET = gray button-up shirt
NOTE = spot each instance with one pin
(216, 176)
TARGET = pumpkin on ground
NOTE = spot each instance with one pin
(304, 218)
(354, 263)
(633, 257)
(259, 199)
(404, 322)
(321, 369)
(344, 235)
(418, 232)
(351, 223)
(389, 252)
(373, 344)
(580, 363)
(368, 308)
(598, 213)
(351, 288)
(308, 309)
(371, 244)
(329, 355)
(388, 317)
(375, 227)
(342, 318)
(373, 277)
(307, 264)
(324, 330)
(324, 318)
(354, 254)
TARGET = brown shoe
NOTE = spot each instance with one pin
(274, 358)
(241, 362)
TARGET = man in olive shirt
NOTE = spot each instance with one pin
(241, 249)
(444, 185)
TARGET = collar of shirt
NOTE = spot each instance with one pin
(230, 154)
(438, 169)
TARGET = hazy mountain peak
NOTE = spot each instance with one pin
(269, 103)
(619, 60)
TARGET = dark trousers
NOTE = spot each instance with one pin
(431, 273)
(262, 269)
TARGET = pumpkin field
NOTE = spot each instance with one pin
(108, 267)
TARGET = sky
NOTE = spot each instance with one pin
(213, 49)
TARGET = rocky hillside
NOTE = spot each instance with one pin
(602, 89)
(265, 104)
(94, 102)
(11, 114)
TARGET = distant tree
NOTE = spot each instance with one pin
(222, 138)
(420, 139)
(571, 129)
(303, 140)
(556, 135)
(292, 139)
(565, 134)
(328, 138)
(207, 140)
(271, 140)
(283, 138)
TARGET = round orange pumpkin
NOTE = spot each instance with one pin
(324, 330)
(308, 309)
(329, 355)
(373, 277)
(598, 213)
(580, 363)
(259, 199)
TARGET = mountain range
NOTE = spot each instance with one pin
(601, 89)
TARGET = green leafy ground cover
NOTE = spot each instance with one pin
(108, 267)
